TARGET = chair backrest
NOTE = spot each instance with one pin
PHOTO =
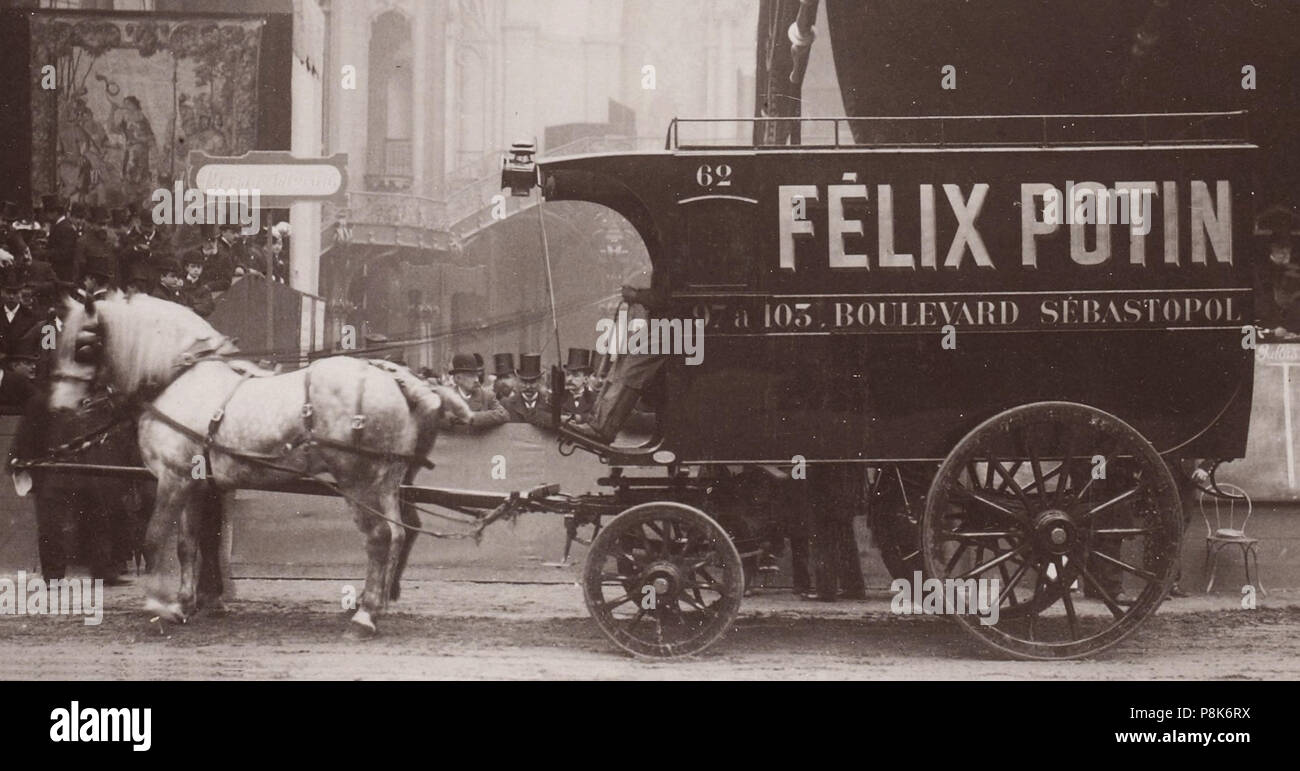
(1231, 510)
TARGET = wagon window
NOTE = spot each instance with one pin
(720, 243)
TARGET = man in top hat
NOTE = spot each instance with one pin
(15, 320)
(36, 273)
(138, 279)
(98, 268)
(530, 403)
(577, 400)
(63, 240)
(503, 368)
(482, 401)
(19, 373)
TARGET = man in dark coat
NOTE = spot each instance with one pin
(195, 288)
(577, 400)
(64, 239)
(482, 401)
(15, 320)
(530, 403)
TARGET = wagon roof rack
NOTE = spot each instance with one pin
(1061, 130)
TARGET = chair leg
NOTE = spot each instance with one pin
(1251, 551)
(1214, 568)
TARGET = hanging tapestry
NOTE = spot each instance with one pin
(134, 96)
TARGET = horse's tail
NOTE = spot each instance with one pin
(428, 404)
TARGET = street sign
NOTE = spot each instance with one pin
(279, 178)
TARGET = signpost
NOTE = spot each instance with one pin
(279, 179)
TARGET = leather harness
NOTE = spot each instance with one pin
(308, 441)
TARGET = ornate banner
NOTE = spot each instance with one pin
(134, 96)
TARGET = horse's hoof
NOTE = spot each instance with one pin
(358, 632)
(213, 606)
(170, 612)
(361, 627)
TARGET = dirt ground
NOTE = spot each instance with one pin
(441, 629)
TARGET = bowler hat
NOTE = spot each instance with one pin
(503, 364)
(530, 367)
(579, 360)
(464, 364)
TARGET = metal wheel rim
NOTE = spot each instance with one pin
(696, 582)
(1052, 624)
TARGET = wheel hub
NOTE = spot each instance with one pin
(1055, 531)
(664, 578)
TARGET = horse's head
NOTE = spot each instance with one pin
(77, 356)
(124, 343)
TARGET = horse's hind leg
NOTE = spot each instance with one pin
(187, 551)
(412, 518)
(399, 546)
(378, 543)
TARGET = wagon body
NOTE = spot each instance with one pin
(827, 276)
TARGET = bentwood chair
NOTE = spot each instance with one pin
(1230, 512)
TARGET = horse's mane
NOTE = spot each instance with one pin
(143, 336)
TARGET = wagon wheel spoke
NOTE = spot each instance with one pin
(994, 504)
(1106, 598)
(1008, 592)
(1145, 575)
(1007, 476)
(1124, 531)
(611, 604)
(1066, 599)
(975, 571)
(1120, 498)
(1063, 470)
(1035, 466)
(1010, 481)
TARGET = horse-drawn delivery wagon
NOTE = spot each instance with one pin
(1006, 328)
(1003, 330)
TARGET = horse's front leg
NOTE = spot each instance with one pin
(172, 501)
(187, 552)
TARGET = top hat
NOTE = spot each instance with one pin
(78, 210)
(25, 348)
(139, 270)
(464, 364)
(503, 364)
(99, 215)
(579, 360)
(165, 263)
(11, 280)
(98, 261)
(530, 367)
(52, 205)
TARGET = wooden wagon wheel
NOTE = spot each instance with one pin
(663, 579)
(1047, 499)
